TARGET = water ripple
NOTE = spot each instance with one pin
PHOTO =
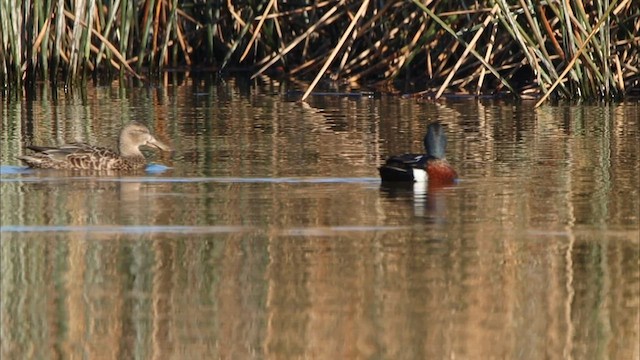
(158, 229)
(153, 179)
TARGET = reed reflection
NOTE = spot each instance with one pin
(273, 238)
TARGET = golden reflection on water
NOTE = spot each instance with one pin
(271, 236)
(391, 293)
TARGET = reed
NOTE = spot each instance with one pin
(561, 49)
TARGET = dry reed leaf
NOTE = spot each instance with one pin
(359, 14)
(256, 32)
(596, 28)
(113, 49)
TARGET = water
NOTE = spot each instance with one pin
(267, 234)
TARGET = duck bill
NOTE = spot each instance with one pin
(153, 142)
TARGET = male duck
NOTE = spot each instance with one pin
(80, 156)
(431, 167)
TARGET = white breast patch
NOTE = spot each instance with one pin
(419, 175)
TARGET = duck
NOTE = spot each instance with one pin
(431, 168)
(81, 156)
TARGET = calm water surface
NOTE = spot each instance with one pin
(270, 236)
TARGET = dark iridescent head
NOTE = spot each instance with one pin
(435, 142)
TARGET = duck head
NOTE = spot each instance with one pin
(435, 142)
(136, 134)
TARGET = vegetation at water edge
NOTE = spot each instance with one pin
(566, 49)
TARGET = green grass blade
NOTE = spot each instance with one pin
(465, 44)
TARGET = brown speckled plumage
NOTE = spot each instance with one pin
(80, 156)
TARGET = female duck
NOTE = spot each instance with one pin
(431, 167)
(80, 156)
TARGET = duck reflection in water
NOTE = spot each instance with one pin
(427, 200)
